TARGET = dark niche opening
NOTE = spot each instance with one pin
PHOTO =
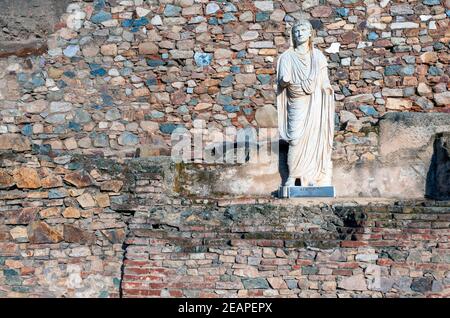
(438, 178)
(282, 161)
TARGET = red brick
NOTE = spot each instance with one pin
(128, 262)
(303, 262)
(192, 285)
(270, 243)
(142, 292)
(384, 262)
(255, 292)
(175, 293)
(244, 243)
(148, 278)
(137, 270)
(353, 243)
(348, 265)
(385, 243)
(134, 285)
(157, 285)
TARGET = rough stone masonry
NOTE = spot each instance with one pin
(90, 206)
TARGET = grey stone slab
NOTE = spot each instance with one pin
(306, 192)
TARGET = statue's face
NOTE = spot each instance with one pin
(301, 34)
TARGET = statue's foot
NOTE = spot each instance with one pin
(290, 182)
(307, 183)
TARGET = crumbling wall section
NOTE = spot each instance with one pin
(274, 249)
(77, 226)
(26, 24)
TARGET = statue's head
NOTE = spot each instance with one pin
(301, 32)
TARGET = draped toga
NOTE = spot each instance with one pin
(306, 115)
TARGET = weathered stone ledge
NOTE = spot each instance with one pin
(23, 49)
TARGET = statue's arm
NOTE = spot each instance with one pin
(326, 85)
(285, 81)
(284, 76)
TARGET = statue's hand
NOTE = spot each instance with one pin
(328, 90)
(293, 142)
(285, 81)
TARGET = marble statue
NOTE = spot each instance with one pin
(305, 102)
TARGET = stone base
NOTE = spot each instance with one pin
(306, 192)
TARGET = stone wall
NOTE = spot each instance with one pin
(334, 249)
(64, 219)
(58, 235)
(121, 75)
(79, 226)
